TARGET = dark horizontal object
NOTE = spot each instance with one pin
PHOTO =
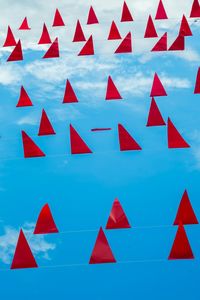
(100, 129)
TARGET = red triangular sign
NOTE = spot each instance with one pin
(24, 25)
(88, 48)
(197, 85)
(92, 18)
(150, 31)
(155, 118)
(45, 223)
(53, 50)
(126, 141)
(78, 146)
(185, 28)
(45, 37)
(195, 10)
(16, 54)
(161, 13)
(161, 45)
(126, 14)
(178, 44)
(24, 99)
(79, 35)
(58, 21)
(45, 125)
(10, 39)
(157, 87)
(117, 218)
(126, 45)
(30, 148)
(175, 140)
(114, 32)
(70, 96)
(112, 92)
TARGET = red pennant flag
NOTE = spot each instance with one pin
(92, 18)
(161, 45)
(78, 146)
(45, 125)
(178, 44)
(58, 21)
(23, 257)
(197, 85)
(24, 25)
(185, 28)
(195, 11)
(114, 32)
(10, 40)
(45, 37)
(117, 218)
(175, 140)
(185, 214)
(88, 48)
(79, 35)
(157, 87)
(161, 13)
(126, 141)
(126, 15)
(112, 92)
(53, 51)
(30, 148)
(150, 31)
(102, 252)
(126, 45)
(16, 54)
(70, 96)
(181, 247)
(155, 118)
(45, 223)
(24, 99)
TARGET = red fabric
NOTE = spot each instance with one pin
(10, 39)
(53, 50)
(102, 252)
(114, 32)
(112, 92)
(161, 45)
(23, 257)
(92, 18)
(58, 21)
(24, 25)
(178, 44)
(126, 141)
(126, 45)
(197, 84)
(16, 54)
(45, 37)
(79, 35)
(161, 13)
(30, 148)
(150, 31)
(45, 223)
(24, 99)
(157, 87)
(155, 118)
(78, 146)
(195, 10)
(126, 14)
(117, 218)
(70, 96)
(175, 140)
(185, 28)
(88, 48)
(181, 247)
(185, 214)
(45, 125)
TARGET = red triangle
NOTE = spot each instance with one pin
(79, 35)
(126, 45)
(53, 50)
(178, 44)
(195, 10)
(157, 87)
(161, 13)
(161, 45)
(126, 141)
(185, 214)
(181, 247)
(78, 146)
(175, 140)
(126, 14)
(45, 222)
(92, 18)
(117, 218)
(58, 21)
(112, 92)
(155, 118)
(185, 28)
(45, 125)
(30, 148)
(24, 25)
(10, 39)
(23, 257)
(70, 96)
(88, 48)
(24, 99)
(114, 32)
(102, 252)
(197, 85)
(16, 54)
(45, 37)
(150, 31)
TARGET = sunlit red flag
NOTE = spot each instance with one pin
(88, 48)
(69, 96)
(58, 20)
(195, 10)
(161, 13)
(24, 99)
(46, 127)
(78, 146)
(92, 18)
(161, 45)
(126, 45)
(175, 139)
(45, 222)
(157, 87)
(126, 141)
(24, 25)
(114, 32)
(150, 31)
(30, 148)
(117, 218)
(16, 54)
(10, 39)
(155, 118)
(53, 51)
(79, 35)
(45, 37)
(112, 92)
(126, 14)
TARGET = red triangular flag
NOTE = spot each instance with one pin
(45, 222)
(185, 214)
(53, 50)
(185, 28)
(126, 141)
(70, 96)
(78, 146)
(23, 257)
(181, 247)
(126, 45)
(197, 85)
(114, 32)
(88, 48)
(79, 35)
(161, 45)
(175, 140)
(117, 218)
(195, 11)
(178, 44)
(58, 21)
(126, 15)
(155, 118)
(92, 18)
(45, 37)
(24, 25)
(24, 99)
(45, 125)
(112, 92)
(157, 87)
(10, 40)
(16, 54)
(30, 148)
(161, 13)
(150, 31)
(102, 252)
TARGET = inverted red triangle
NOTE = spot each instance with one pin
(45, 37)
(175, 140)
(24, 99)
(150, 31)
(112, 92)
(157, 87)
(23, 256)
(45, 222)
(88, 48)
(102, 252)
(197, 84)
(79, 35)
(178, 44)
(45, 125)
(58, 21)
(161, 45)
(126, 45)
(114, 32)
(10, 39)
(117, 218)
(126, 14)
(16, 54)
(195, 10)
(161, 13)
(30, 148)
(53, 50)
(24, 25)
(126, 141)
(185, 214)
(155, 118)
(181, 247)
(185, 28)
(69, 96)
(78, 146)
(92, 18)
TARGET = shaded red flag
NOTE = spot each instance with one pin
(195, 10)
(126, 141)
(23, 257)
(30, 148)
(45, 37)
(24, 99)
(161, 13)
(117, 218)
(88, 48)
(185, 28)
(78, 146)
(112, 92)
(45, 125)
(45, 222)
(157, 87)
(102, 252)
(161, 45)
(79, 35)
(24, 25)
(53, 51)
(197, 84)
(16, 54)
(155, 118)
(92, 18)
(10, 39)
(114, 32)
(150, 31)
(126, 45)
(58, 20)
(178, 44)
(175, 140)
(69, 96)
(126, 14)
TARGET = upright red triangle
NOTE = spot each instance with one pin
(24, 99)
(79, 35)
(178, 44)
(45, 37)
(53, 50)
(23, 257)
(161, 45)
(126, 141)
(78, 146)
(185, 28)
(88, 48)
(92, 18)
(24, 25)
(195, 10)
(185, 214)
(126, 14)
(197, 84)
(150, 31)
(155, 118)
(30, 148)
(16, 54)
(45, 125)
(112, 92)
(10, 39)
(102, 252)
(126, 45)
(157, 87)
(161, 13)
(69, 96)
(181, 247)
(114, 32)
(175, 140)
(58, 21)
(45, 222)
(117, 218)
